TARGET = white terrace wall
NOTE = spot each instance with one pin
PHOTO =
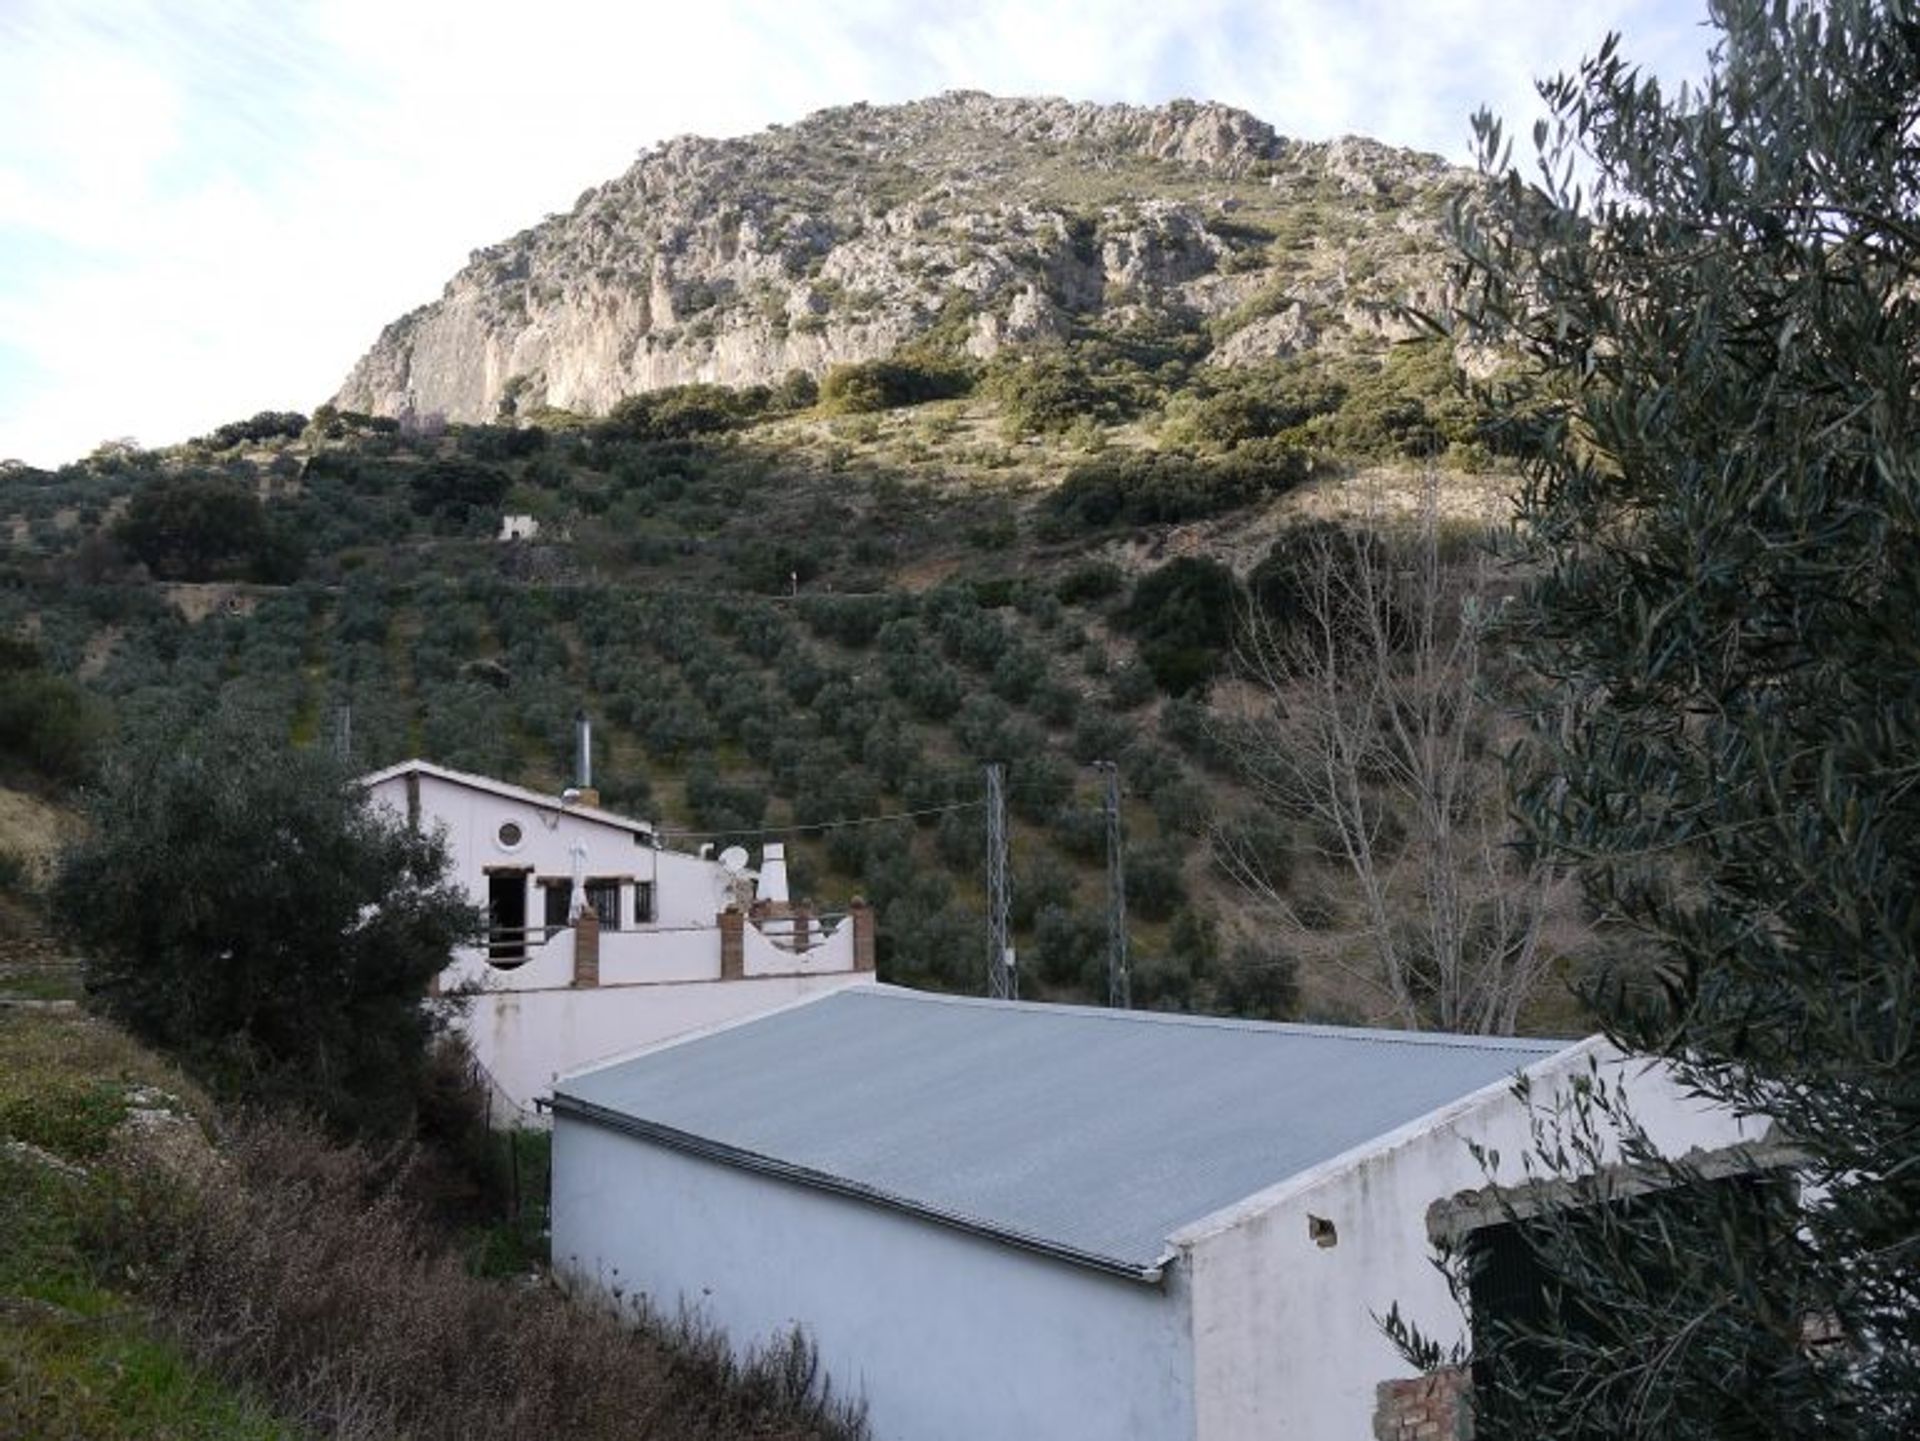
(525, 1039)
(1286, 1344)
(948, 1336)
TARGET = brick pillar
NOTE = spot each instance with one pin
(1434, 1407)
(586, 949)
(733, 944)
(862, 914)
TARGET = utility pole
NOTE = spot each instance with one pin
(1119, 984)
(1002, 982)
(343, 735)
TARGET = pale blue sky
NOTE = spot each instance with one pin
(210, 207)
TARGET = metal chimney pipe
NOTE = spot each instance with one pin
(583, 760)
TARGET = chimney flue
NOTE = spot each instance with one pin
(585, 794)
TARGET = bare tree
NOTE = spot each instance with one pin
(1375, 728)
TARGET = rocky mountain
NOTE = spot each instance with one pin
(956, 226)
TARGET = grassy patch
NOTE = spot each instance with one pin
(75, 1360)
(64, 1079)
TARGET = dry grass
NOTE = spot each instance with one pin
(67, 1080)
(300, 1269)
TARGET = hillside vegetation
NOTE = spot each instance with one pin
(815, 603)
(279, 1286)
(779, 619)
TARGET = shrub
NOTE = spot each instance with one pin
(244, 907)
(45, 720)
(1183, 615)
(877, 385)
(204, 527)
(302, 1270)
(1152, 487)
(1261, 981)
(1092, 581)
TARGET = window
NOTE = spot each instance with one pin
(604, 897)
(508, 835)
(643, 914)
(559, 894)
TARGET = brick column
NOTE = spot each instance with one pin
(862, 914)
(1433, 1407)
(733, 944)
(586, 949)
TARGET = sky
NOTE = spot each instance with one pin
(210, 208)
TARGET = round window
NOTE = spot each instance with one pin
(509, 835)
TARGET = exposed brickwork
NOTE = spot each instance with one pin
(862, 914)
(733, 944)
(1424, 1408)
(586, 949)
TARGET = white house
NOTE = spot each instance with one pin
(599, 939)
(998, 1219)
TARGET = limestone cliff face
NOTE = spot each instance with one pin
(966, 223)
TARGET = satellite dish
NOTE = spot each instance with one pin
(734, 858)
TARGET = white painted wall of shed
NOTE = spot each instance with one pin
(527, 1038)
(1285, 1340)
(949, 1336)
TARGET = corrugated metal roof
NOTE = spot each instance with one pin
(1094, 1134)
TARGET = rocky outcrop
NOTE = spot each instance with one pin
(964, 223)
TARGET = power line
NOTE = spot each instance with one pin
(804, 826)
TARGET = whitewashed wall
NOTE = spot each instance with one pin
(1285, 1340)
(527, 1038)
(949, 1336)
(687, 889)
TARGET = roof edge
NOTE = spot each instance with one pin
(1278, 1194)
(1539, 1048)
(711, 1150)
(524, 794)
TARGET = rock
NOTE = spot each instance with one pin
(860, 229)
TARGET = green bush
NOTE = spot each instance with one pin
(1094, 580)
(46, 721)
(200, 527)
(1156, 487)
(877, 385)
(1183, 615)
(244, 907)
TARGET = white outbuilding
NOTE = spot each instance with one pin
(1006, 1220)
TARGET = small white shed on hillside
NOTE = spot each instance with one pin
(1003, 1220)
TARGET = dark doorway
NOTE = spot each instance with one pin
(507, 918)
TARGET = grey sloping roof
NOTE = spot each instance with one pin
(1092, 1134)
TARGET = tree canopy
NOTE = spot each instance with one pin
(243, 906)
(1717, 296)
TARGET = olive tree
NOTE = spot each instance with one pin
(245, 907)
(1716, 298)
